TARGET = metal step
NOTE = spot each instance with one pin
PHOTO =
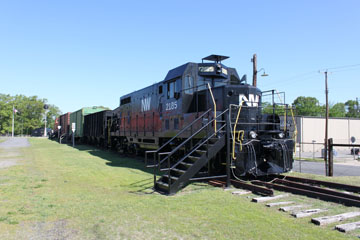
(178, 171)
(162, 184)
(187, 165)
(193, 158)
(205, 147)
(172, 177)
(165, 178)
(201, 152)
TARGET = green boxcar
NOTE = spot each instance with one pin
(78, 118)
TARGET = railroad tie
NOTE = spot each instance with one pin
(278, 204)
(265, 199)
(347, 227)
(241, 192)
(336, 218)
(290, 208)
(308, 212)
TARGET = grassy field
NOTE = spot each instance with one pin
(60, 192)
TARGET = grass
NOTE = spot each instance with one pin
(58, 191)
(309, 159)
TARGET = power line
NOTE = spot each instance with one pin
(346, 66)
(289, 80)
(346, 70)
(311, 74)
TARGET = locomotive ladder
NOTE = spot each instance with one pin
(180, 168)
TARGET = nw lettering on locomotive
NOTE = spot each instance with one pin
(145, 104)
(252, 101)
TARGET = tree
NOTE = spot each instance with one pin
(30, 113)
(352, 108)
(308, 106)
(5, 113)
(337, 110)
(52, 114)
(268, 108)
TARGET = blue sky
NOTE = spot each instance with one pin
(87, 53)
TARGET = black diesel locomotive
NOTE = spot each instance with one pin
(201, 121)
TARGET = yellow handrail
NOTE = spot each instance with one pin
(212, 96)
(236, 121)
(240, 140)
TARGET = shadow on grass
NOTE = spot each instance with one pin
(114, 159)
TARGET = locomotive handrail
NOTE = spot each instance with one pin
(212, 97)
(196, 148)
(236, 122)
(179, 133)
(189, 138)
(149, 151)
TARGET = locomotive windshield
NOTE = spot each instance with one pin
(207, 69)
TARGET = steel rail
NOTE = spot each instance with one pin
(244, 185)
(346, 187)
(316, 189)
(310, 193)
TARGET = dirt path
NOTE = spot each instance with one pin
(10, 152)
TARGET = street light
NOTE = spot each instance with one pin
(264, 74)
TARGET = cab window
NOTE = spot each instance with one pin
(170, 89)
(173, 87)
(189, 84)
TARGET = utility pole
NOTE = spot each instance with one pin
(326, 123)
(254, 61)
(13, 121)
(46, 107)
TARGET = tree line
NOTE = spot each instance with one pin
(29, 114)
(310, 106)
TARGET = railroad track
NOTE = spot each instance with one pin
(327, 191)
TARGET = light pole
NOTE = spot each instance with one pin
(46, 107)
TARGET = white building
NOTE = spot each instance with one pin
(313, 129)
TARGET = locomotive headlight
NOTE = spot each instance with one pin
(252, 134)
(281, 135)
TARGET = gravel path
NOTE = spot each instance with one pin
(9, 151)
(16, 142)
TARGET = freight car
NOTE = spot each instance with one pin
(64, 122)
(95, 128)
(78, 116)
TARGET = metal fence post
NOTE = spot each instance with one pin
(331, 160)
(299, 156)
